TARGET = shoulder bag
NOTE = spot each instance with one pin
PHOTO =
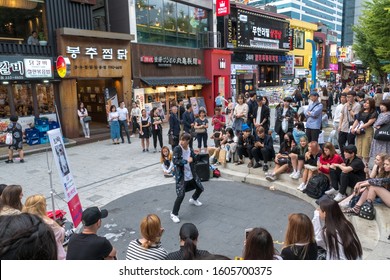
(8, 138)
(383, 133)
(87, 119)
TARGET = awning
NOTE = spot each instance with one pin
(171, 81)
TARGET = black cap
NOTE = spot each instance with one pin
(259, 98)
(350, 149)
(93, 214)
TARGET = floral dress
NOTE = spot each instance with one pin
(17, 136)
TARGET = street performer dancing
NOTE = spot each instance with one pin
(186, 177)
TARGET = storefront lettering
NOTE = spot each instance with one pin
(7, 68)
(266, 32)
(17, 68)
(265, 58)
(92, 52)
(171, 60)
(96, 67)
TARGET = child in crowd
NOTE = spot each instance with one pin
(166, 162)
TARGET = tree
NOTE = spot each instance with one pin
(372, 40)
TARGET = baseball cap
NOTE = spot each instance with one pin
(350, 149)
(245, 127)
(93, 214)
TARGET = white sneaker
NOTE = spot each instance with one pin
(296, 175)
(175, 218)
(292, 174)
(339, 197)
(331, 191)
(301, 187)
(195, 202)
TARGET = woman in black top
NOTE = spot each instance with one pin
(188, 241)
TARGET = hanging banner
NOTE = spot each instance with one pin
(223, 8)
(111, 98)
(139, 97)
(70, 191)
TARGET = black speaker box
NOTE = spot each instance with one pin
(203, 171)
(204, 158)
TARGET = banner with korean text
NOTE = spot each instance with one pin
(222, 8)
(61, 160)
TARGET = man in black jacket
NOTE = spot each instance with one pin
(252, 108)
(263, 149)
(188, 121)
(174, 127)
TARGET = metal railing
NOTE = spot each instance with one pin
(210, 40)
(24, 49)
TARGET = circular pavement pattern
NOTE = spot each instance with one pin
(228, 209)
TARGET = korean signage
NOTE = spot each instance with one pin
(19, 68)
(289, 65)
(93, 52)
(260, 32)
(222, 8)
(166, 60)
(254, 58)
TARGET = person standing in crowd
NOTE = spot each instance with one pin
(201, 126)
(148, 247)
(240, 114)
(218, 120)
(180, 111)
(26, 237)
(144, 132)
(33, 39)
(350, 109)
(189, 121)
(219, 100)
(87, 245)
(363, 129)
(174, 126)
(188, 244)
(156, 128)
(313, 115)
(229, 113)
(261, 116)
(82, 113)
(135, 115)
(113, 119)
(378, 97)
(124, 121)
(381, 146)
(259, 245)
(263, 149)
(17, 140)
(36, 204)
(386, 93)
(186, 177)
(347, 174)
(11, 200)
(335, 233)
(337, 118)
(252, 108)
(324, 97)
(284, 114)
(299, 242)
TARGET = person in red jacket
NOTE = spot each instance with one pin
(328, 157)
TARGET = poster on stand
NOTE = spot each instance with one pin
(111, 98)
(65, 174)
(195, 107)
(139, 97)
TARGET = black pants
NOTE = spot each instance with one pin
(345, 137)
(157, 133)
(189, 185)
(135, 124)
(202, 137)
(312, 134)
(261, 154)
(126, 128)
(175, 141)
(244, 151)
(340, 180)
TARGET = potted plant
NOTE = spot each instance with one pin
(42, 39)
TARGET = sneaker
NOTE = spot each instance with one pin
(270, 178)
(250, 164)
(21, 161)
(292, 174)
(339, 197)
(9, 161)
(175, 218)
(168, 175)
(265, 167)
(331, 191)
(143, 150)
(257, 165)
(301, 187)
(195, 202)
(147, 150)
(296, 175)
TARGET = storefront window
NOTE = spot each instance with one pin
(45, 97)
(5, 109)
(23, 100)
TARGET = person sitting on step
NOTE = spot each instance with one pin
(263, 149)
(245, 145)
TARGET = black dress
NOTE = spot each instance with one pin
(145, 130)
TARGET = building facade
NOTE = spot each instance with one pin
(352, 10)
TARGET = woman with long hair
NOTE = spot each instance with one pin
(240, 114)
(259, 245)
(335, 233)
(188, 244)
(11, 200)
(144, 132)
(299, 242)
(381, 146)
(328, 157)
(36, 204)
(363, 129)
(82, 112)
(156, 122)
(297, 157)
(148, 247)
(201, 125)
(166, 162)
(284, 113)
(310, 164)
(113, 118)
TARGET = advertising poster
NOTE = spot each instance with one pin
(61, 161)
(139, 97)
(111, 98)
(195, 107)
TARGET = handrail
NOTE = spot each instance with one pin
(19, 40)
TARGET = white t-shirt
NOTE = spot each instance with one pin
(337, 113)
(122, 113)
(187, 168)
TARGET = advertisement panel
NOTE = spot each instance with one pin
(222, 8)
(13, 68)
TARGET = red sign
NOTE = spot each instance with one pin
(63, 66)
(223, 8)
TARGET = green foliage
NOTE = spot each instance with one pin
(373, 36)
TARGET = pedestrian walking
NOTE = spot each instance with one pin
(135, 115)
(83, 113)
(17, 140)
(113, 119)
(124, 121)
(186, 177)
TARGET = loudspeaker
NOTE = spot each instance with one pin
(203, 158)
(203, 170)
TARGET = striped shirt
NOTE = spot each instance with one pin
(178, 255)
(135, 251)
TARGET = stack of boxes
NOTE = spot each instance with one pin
(38, 134)
(32, 136)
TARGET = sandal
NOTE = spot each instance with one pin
(240, 162)
(354, 211)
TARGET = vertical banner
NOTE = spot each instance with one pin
(289, 65)
(222, 8)
(70, 191)
(139, 97)
(111, 98)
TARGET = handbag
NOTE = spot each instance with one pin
(171, 139)
(283, 161)
(200, 130)
(193, 132)
(87, 119)
(383, 133)
(367, 211)
(8, 138)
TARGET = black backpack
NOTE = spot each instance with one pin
(317, 186)
(367, 211)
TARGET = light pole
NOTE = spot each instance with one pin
(313, 64)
